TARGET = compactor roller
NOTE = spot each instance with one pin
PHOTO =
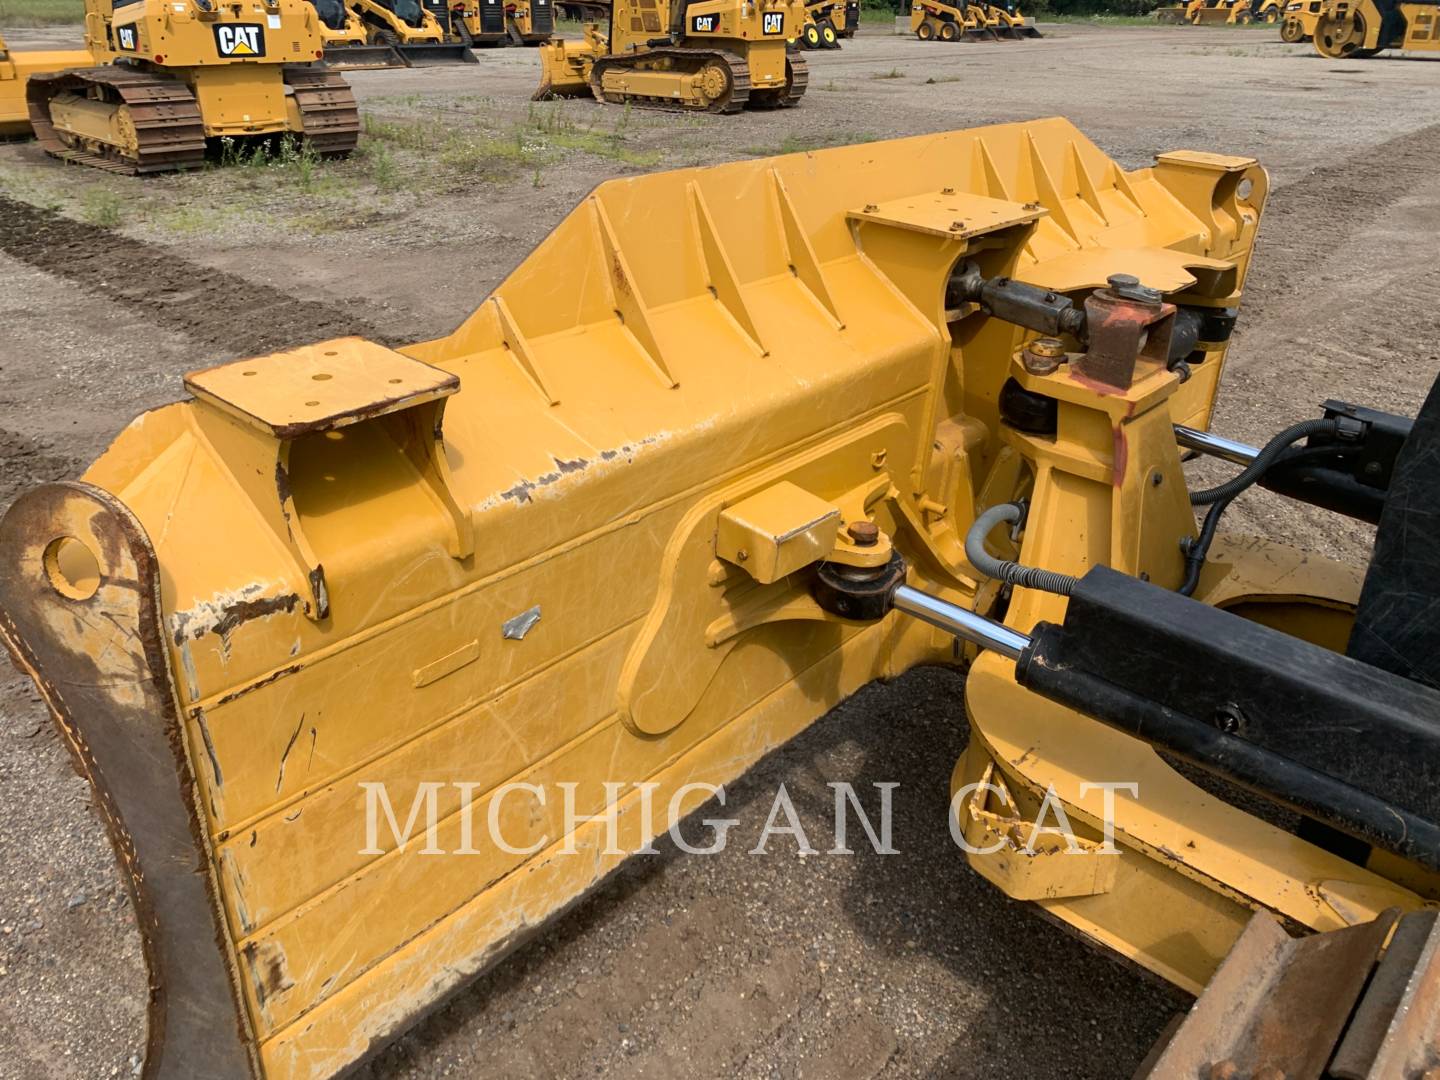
(718, 56)
(531, 587)
(163, 78)
(1359, 29)
(1300, 19)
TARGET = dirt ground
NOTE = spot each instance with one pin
(781, 966)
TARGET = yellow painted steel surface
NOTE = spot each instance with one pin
(380, 21)
(1356, 29)
(15, 68)
(159, 77)
(512, 554)
(733, 34)
(265, 33)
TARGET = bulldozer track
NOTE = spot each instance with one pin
(328, 111)
(739, 80)
(168, 130)
(799, 72)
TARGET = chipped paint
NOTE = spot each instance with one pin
(530, 489)
(226, 611)
(517, 627)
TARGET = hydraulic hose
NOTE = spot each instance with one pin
(1029, 577)
(1267, 457)
(1196, 550)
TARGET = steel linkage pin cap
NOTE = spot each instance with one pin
(1043, 355)
(863, 533)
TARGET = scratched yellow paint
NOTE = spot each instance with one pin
(349, 593)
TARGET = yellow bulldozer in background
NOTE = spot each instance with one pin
(964, 20)
(1358, 29)
(940, 415)
(717, 56)
(16, 69)
(159, 78)
(412, 30)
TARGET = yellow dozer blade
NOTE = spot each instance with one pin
(333, 635)
(15, 69)
(565, 66)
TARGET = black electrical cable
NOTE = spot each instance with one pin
(1198, 549)
(1267, 457)
(1029, 577)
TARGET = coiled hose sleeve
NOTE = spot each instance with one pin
(1029, 577)
(1263, 460)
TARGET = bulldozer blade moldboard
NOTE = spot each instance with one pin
(363, 58)
(436, 54)
(492, 558)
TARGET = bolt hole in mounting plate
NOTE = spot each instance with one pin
(957, 215)
(72, 568)
(320, 387)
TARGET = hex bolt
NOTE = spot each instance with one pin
(863, 533)
(1043, 356)
(1128, 287)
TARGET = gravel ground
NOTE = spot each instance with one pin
(906, 965)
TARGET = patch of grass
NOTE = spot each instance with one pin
(298, 158)
(412, 135)
(486, 156)
(188, 219)
(609, 145)
(41, 12)
(831, 87)
(101, 207)
(243, 153)
(383, 168)
(935, 81)
(893, 73)
(871, 16)
(802, 144)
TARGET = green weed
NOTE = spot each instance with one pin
(101, 207)
(41, 12)
(893, 73)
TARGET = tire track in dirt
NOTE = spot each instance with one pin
(1314, 217)
(224, 312)
(28, 462)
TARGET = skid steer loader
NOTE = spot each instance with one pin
(161, 77)
(15, 70)
(1359, 29)
(412, 31)
(347, 45)
(490, 23)
(946, 388)
(1239, 13)
(718, 56)
(827, 22)
(942, 20)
